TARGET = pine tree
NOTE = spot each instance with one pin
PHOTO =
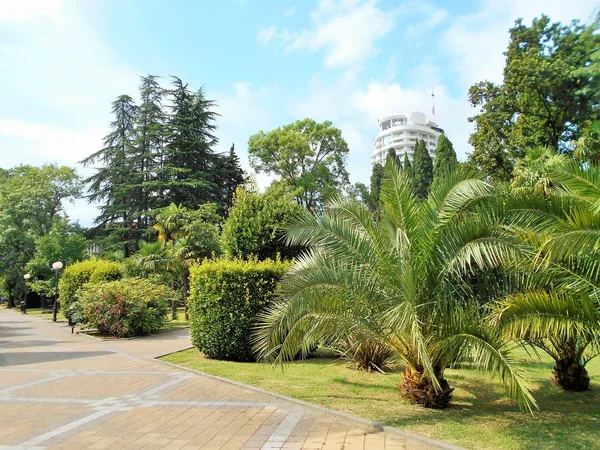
(148, 156)
(187, 176)
(113, 184)
(376, 177)
(422, 170)
(445, 157)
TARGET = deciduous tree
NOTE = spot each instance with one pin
(307, 155)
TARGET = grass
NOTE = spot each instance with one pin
(481, 416)
(43, 312)
(180, 322)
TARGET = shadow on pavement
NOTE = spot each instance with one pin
(19, 358)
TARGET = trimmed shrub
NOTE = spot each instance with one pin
(225, 297)
(77, 275)
(131, 307)
(107, 271)
(253, 228)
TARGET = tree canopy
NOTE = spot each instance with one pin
(548, 97)
(159, 152)
(306, 155)
(31, 204)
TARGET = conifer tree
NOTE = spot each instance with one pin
(376, 177)
(187, 176)
(422, 170)
(232, 176)
(445, 157)
(148, 156)
(406, 166)
(113, 184)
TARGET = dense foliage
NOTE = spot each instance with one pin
(159, 152)
(405, 282)
(549, 95)
(31, 204)
(445, 157)
(225, 298)
(308, 156)
(254, 226)
(421, 172)
(77, 275)
(131, 307)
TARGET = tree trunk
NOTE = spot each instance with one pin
(185, 288)
(419, 389)
(570, 375)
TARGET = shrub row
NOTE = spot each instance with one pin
(225, 297)
(131, 307)
(77, 275)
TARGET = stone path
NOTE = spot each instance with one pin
(64, 391)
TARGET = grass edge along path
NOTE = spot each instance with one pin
(481, 416)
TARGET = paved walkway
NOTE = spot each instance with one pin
(64, 391)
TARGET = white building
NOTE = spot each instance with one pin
(401, 132)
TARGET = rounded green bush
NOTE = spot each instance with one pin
(76, 276)
(254, 227)
(131, 307)
(107, 271)
(225, 297)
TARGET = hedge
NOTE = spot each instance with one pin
(253, 228)
(77, 275)
(131, 307)
(225, 297)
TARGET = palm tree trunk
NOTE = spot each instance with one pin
(570, 375)
(419, 389)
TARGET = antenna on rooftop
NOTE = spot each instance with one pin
(433, 103)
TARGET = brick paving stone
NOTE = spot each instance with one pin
(64, 391)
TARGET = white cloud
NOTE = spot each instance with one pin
(477, 40)
(57, 81)
(24, 10)
(346, 30)
(266, 34)
(37, 144)
(243, 113)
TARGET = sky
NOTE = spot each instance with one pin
(266, 63)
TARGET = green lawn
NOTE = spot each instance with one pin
(180, 322)
(481, 416)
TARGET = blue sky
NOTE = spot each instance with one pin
(265, 62)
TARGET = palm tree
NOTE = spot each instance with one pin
(558, 308)
(404, 281)
(156, 259)
(170, 222)
(533, 170)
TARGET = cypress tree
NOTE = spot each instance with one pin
(445, 157)
(422, 170)
(376, 177)
(406, 166)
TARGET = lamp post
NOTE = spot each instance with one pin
(26, 277)
(56, 266)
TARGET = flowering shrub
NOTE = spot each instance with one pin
(124, 308)
(77, 275)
